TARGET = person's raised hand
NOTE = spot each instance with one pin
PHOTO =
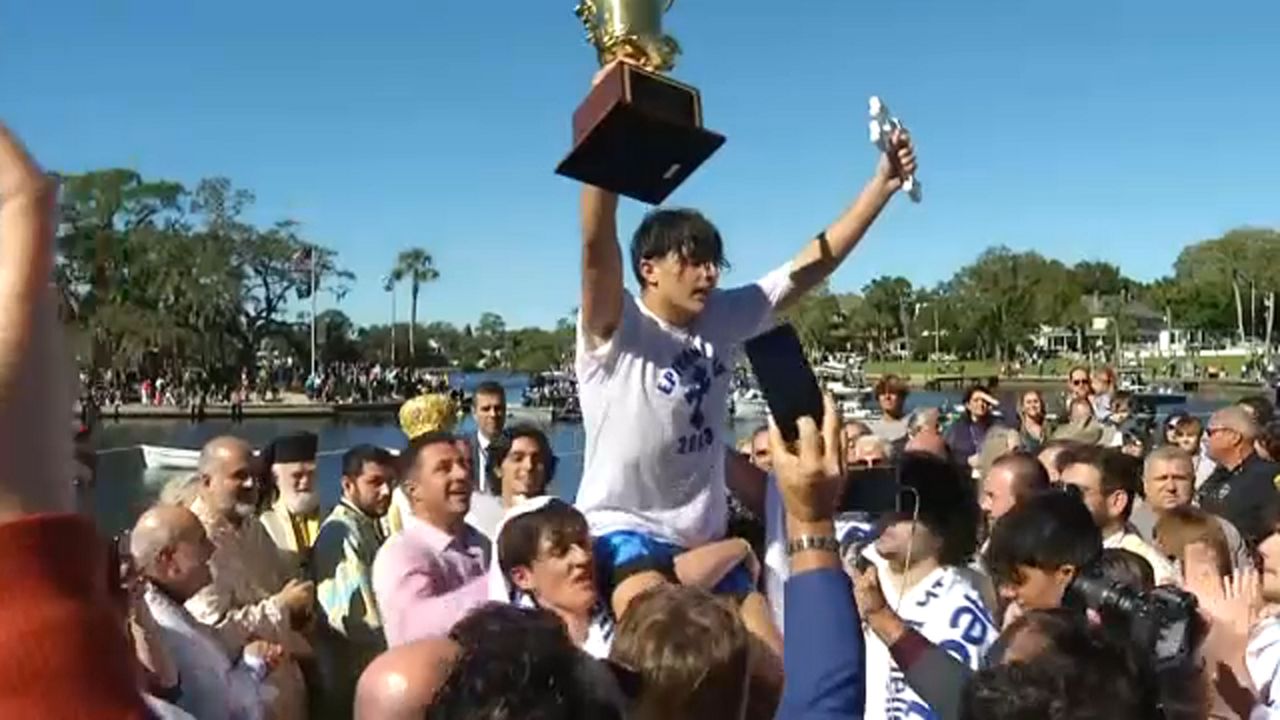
(809, 475)
(1242, 601)
(35, 380)
(298, 597)
(1230, 606)
(874, 608)
(898, 165)
(868, 593)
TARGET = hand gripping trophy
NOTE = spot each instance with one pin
(883, 125)
(639, 133)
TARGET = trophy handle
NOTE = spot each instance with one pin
(588, 14)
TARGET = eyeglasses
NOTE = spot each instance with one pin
(1080, 381)
(1215, 430)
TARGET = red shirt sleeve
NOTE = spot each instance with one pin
(63, 651)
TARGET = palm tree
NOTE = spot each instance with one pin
(416, 266)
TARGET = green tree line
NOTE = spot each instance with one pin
(993, 306)
(151, 271)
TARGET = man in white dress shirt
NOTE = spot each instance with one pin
(172, 551)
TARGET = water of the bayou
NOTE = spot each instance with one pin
(124, 487)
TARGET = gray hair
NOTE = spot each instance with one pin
(1165, 453)
(1238, 419)
(921, 418)
(883, 445)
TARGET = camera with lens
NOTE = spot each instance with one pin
(1162, 625)
(1164, 632)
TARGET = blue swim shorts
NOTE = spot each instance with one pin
(623, 553)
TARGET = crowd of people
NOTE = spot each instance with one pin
(1010, 572)
(197, 388)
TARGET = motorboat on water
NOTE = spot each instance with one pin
(160, 457)
(845, 380)
(1147, 396)
(748, 403)
(855, 403)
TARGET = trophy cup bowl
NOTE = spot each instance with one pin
(638, 133)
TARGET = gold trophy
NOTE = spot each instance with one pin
(638, 133)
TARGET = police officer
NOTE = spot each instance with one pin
(1243, 488)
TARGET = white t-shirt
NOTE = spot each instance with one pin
(1262, 659)
(655, 414)
(945, 607)
(485, 514)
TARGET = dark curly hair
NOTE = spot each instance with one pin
(948, 504)
(518, 663)
(1046, 531)
(1079, 675)
(500, 446)
(686, 233)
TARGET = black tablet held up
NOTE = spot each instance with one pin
(785, 378)
(874, 491)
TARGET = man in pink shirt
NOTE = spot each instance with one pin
(431, 574)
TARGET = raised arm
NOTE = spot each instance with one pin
(824, 253)
(34, 376)
(64, 652)
(601, 264)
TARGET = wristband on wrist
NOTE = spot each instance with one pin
(813, 542)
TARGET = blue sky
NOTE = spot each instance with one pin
(1112, 130)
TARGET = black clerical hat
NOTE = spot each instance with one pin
(295, 447)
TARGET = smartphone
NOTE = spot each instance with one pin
(785, 378)
(874, 491)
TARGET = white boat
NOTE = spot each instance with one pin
(749, 403)
(168, 458)
(535, 414)
(1131, 380)
(159, 457)
(856, 400)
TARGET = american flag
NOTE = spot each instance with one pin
(302, 258)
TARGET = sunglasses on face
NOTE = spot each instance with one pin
(1080, 381)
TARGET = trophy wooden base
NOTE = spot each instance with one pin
(638, 134)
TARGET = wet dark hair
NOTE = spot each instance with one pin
(1061, 629)
(686, 233)
(1080, 675)
(948, 504)
(1127, 568)
(520, 662)
(354, 459)
(501, 445)
(1046, 531)
(522, 537)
